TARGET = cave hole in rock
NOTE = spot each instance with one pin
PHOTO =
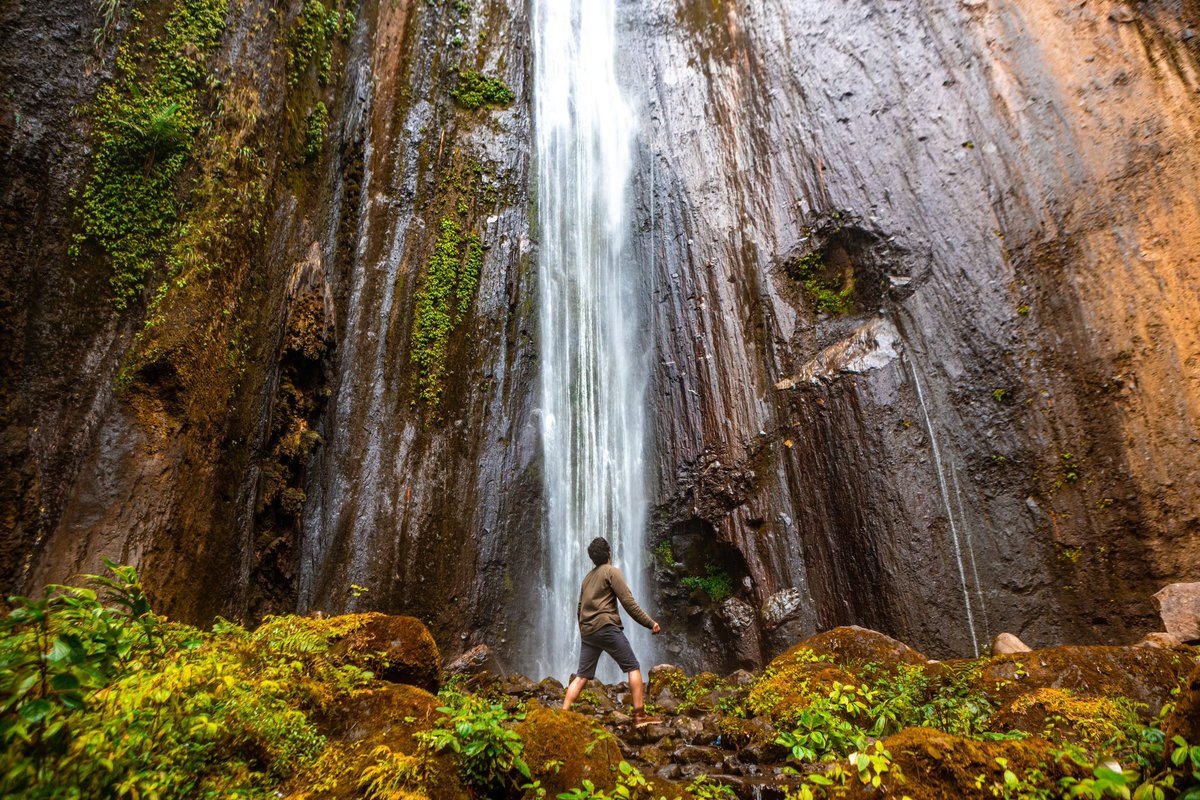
(707, 566)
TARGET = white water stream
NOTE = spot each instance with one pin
(593, 371)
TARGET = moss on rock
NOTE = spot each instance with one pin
(930, 765)
(1061, 715)
(852, 646)
(581, 748)
(1142, 674)
(395, 648)
(373, 737)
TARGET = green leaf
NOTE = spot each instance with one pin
(36, 710)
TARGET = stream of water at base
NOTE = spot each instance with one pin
(593, 370)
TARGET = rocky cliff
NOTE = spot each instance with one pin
(920, 294)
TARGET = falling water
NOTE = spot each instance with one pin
(592, 378)
(941, 476)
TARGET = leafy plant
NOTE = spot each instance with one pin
(476, 733)
(715, 583)
(475, 90)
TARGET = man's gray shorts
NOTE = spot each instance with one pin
(609, 639)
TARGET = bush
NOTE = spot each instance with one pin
(101, 698)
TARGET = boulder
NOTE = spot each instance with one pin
(939, 766)
(394, 648)
(370, 726)
(853, 646)
(478, 659)
(740, 677)
(1143, 674)
(1162, 640)
(1006, 643)
(572, 741)
(1184, 720)
(1063, 716)
(1179, 606)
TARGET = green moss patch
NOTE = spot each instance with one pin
(441, 303)
(475, 90)
(146, 125)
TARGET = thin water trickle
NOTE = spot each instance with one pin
(937, 462)
(592, 367)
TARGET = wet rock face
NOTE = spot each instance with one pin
(920, 296)
(254, 434)
(925, 273)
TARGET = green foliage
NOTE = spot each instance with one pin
(631, 785)
(441, 304)
(715, 583)
(666, 556)
(476, 733)
(474, 90)
(146, 122)
(314, 136)
(809, 270)
(392, 776)
(101, 698)
(310, 40)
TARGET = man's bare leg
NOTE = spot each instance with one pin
(635, 687)
(576, 687)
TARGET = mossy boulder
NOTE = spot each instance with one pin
(1185, 718)
(576, 743)
(394, 648)
(375, 732)
(1142, 674)
(932, 765)
(789, 683)
(852, 646)
(1062, 715)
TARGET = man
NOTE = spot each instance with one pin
(601, 631)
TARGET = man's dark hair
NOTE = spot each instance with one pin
(599, 551)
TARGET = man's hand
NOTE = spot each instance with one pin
(655, 629)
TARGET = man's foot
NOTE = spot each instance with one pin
(642, 719)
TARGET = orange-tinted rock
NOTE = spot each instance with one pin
(1064, 716)
(853, 646)
(373, 727)
(1185, 719)
(582, 747)
(939, 766)
(1143, 674)
(394, 648)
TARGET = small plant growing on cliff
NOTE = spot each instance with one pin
(475, 90)
(715, 583)
(810, 270)
(314, 135)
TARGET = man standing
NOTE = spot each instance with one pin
(601, 631)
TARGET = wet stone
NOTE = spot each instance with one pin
(689, 729)
(696, 754)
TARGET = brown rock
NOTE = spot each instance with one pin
(694, 754)
(1185, 718)
(583, 750)
(394, 648)
(477, 659)
(1143, 674)
(949, 766)
(1179, 606)
(1161, 639)
(853, 646)
(1006, 643)
(391, 717)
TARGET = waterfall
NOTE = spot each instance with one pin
(591, 355)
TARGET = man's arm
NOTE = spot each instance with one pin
(621, 590)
